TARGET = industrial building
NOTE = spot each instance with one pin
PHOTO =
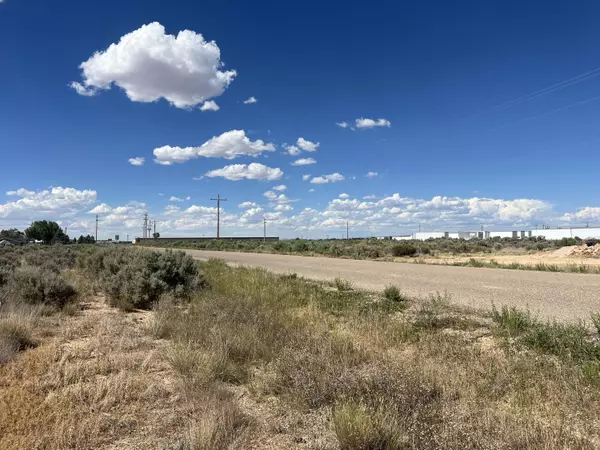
(550, 234)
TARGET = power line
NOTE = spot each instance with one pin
(547, 90)
(219, 200)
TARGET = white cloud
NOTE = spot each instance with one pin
(284, 208)
(198, 178)
(370, 197)
(344, 196)
(137, 161)
(303, 162)
(228, 145)
(280, 188)
(149, 65)
(176, 199)
(342, 124)
(252, 215)
(370, 123)
(275, 199)
(589, 213)
(307, 146)
(254, 171)
(102, 208)
(55, 201)
(327, 178)
(305, 177)
(82, 90)
(21, 193)
(292, 150)
(371, 174)
(246, 205)
(250, 100)
(209, 105)
(311, 190)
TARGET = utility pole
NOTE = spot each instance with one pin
(419, 227)
(145, 227)
(265, 229)
(96, 227)
(219, 200)
(149, 229)
(347, 231)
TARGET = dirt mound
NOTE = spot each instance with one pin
(583, 250)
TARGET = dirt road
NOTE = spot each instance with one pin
(562, 296)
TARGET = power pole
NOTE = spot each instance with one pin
(145, 227)
(149, 229)
(347, 231)
(96, 227)
(265, 229)
(219, 200)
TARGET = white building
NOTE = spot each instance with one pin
(549, 234)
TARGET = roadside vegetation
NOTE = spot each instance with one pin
(377, 248)
(540, 267)
(127, 348)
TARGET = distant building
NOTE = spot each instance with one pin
(551, 234)
(9, 242)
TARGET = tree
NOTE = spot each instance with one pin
(156, 235)
(48, 232)
(86, 239)
(13, 233)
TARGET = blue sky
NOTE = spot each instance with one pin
(454, 140)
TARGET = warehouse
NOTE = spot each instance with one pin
(550, 234)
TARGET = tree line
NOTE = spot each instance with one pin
(46, 231)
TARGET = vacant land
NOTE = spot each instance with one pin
(528, 254)
(208, 356)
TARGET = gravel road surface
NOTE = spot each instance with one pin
(562, 296)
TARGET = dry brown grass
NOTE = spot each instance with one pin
(269, 362)
(97, 380)
(343, 369)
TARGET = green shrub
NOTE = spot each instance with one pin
(511, 319)
(404, 250)
(34, 286)
(393, 294)
(136, 278)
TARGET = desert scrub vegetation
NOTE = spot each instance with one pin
(137, 278)
(372, 248)
(356, 370)
(33, 283)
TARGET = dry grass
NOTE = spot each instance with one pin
(366, 373)
(266, 361)
(96, 380)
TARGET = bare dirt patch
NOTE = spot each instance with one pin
(565, 256)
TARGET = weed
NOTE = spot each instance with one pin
(393, 294)
(512, 319)
(342, 285)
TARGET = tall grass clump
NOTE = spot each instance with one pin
(393, 294)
